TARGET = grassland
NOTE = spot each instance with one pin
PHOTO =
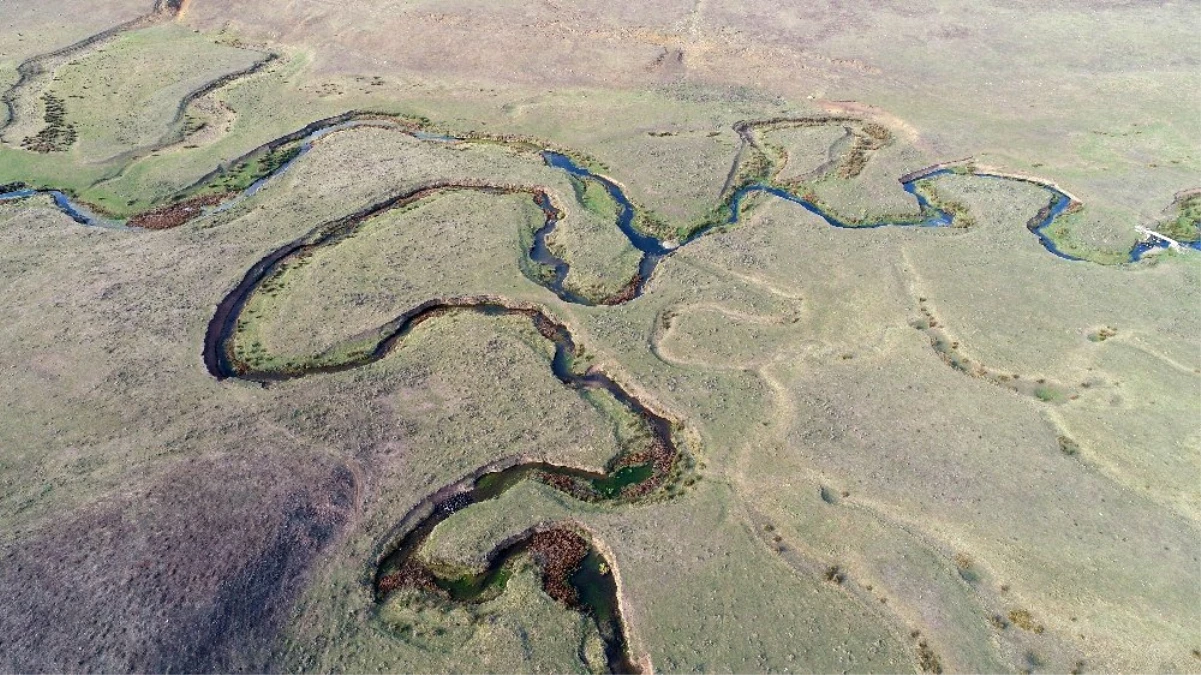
(586, 237)
(1184, 222)
(33, 50)
(35, 28)
(147, 73)
(365, 282)
(808, 150)
(129, 75)
(827, 414)
(100, 453)
(866, 495)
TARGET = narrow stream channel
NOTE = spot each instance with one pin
(653, 249)
(575, 572)
(629, 476)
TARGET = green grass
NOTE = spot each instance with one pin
(1186, 226)
(125, 95)
(1048, 394)
(1075, 234)
(243, 174)
(593, 196)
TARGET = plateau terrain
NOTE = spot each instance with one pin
(666, 336)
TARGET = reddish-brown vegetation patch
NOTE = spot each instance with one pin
(559, 553)
(174, 215)
(661, 456)
(410, 575)
(625, 294)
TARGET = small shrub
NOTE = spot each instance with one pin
(835, 574)
(927, 659)
(1025, 620)
(1068, 446)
